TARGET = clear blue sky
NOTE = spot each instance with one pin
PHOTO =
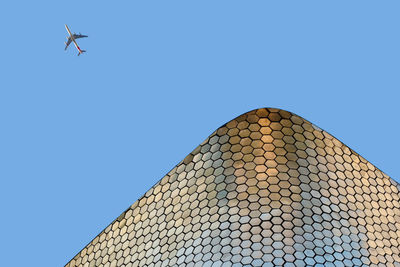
(82, 138)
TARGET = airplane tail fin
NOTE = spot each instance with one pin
(81, 52)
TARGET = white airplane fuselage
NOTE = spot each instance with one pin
(73, 40)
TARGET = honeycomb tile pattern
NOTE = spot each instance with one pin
(266, 189)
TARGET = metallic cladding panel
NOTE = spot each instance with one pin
(268, 188)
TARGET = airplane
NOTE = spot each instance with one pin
(72, 38)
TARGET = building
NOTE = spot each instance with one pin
(266, 189)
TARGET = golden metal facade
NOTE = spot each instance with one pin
(266, 189)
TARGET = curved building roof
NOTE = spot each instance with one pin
(268, 188)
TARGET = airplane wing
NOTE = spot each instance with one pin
(77, 36)
(67, 43)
